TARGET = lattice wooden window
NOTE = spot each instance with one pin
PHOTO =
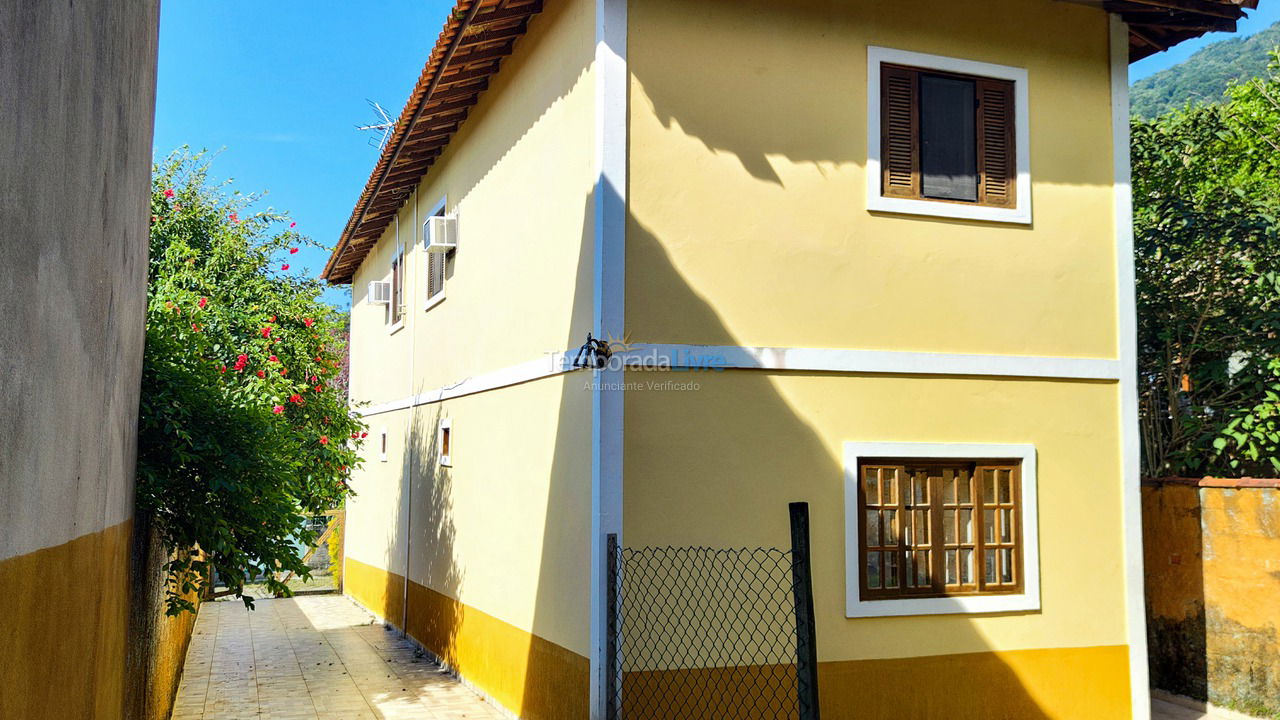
(939, 528)
(947, 137)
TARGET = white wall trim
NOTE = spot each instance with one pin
(1127, 342)
(1022, 140)
(556, 364)
(732, 357)
(612, 79)
(871, 361)
(1026, 601)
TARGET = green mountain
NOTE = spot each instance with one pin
(1204, 76)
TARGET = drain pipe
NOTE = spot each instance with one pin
(411, 450)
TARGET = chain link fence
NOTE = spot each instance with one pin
(708, 633)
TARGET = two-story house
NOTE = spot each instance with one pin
(898, 233)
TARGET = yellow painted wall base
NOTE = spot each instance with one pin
(1089, 683)
(64, 626)
(524, 673)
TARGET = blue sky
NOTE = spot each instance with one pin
(279, 87)
(1267, 14)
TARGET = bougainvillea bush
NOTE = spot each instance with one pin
(243, 432)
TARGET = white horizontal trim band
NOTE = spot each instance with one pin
(875, 361)
(725, 357)
(555, 364)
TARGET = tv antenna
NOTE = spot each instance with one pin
(382, 128)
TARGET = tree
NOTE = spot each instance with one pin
(1206, 202)
(242, 431)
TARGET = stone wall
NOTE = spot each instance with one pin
(1212, 550)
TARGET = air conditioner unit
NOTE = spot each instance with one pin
(380, 293)
(440, 233)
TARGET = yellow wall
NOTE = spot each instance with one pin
(502, 537)
(748, 226)
(1213, 584)
(747, 183)
(519, 175)
(717, 466)
(63, 632)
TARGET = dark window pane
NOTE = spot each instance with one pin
(948, 138)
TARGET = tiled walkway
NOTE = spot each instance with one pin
(317, 657)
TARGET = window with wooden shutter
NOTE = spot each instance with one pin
(435, 275)
(947, 137)
(435, 266)
(939, 528)
(395, 310)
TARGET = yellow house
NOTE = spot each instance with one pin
(889, 243)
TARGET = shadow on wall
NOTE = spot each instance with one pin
(1172, 540)
(425, 528)
(702, 490)
(699, 485)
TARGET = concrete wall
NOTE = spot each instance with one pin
(78, 82)
(1213, 585)
(495, 549)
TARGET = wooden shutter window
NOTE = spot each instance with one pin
(900, 132)
(435, 274)
(996, 143)
(992, 125)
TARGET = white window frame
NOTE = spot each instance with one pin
(1026, 601)
(397, 256)
(446, 425)
(438, 298)
(877, 202)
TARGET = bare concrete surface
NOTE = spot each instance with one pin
(317, 657)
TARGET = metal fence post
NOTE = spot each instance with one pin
(612, 680)
(806, 633)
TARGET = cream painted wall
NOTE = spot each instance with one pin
(506, 530)
(519, 175)
(717, 466)
(747, 192)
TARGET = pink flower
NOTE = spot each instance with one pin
(308, 322)
(293, 251)
(364, 435)
(203, 301)
(261, 374)
(284, 371)
(293, 224)
(277, 409)
(317, 388)
(273, 318)
(324, 439)
(266, 332)
(222, 369)
(355, 436)
(284, 266)
(295, 398)
(273, 358)
(195, 327)
(168, 192)
(241, 361)
(154, 219)
(234, 217)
